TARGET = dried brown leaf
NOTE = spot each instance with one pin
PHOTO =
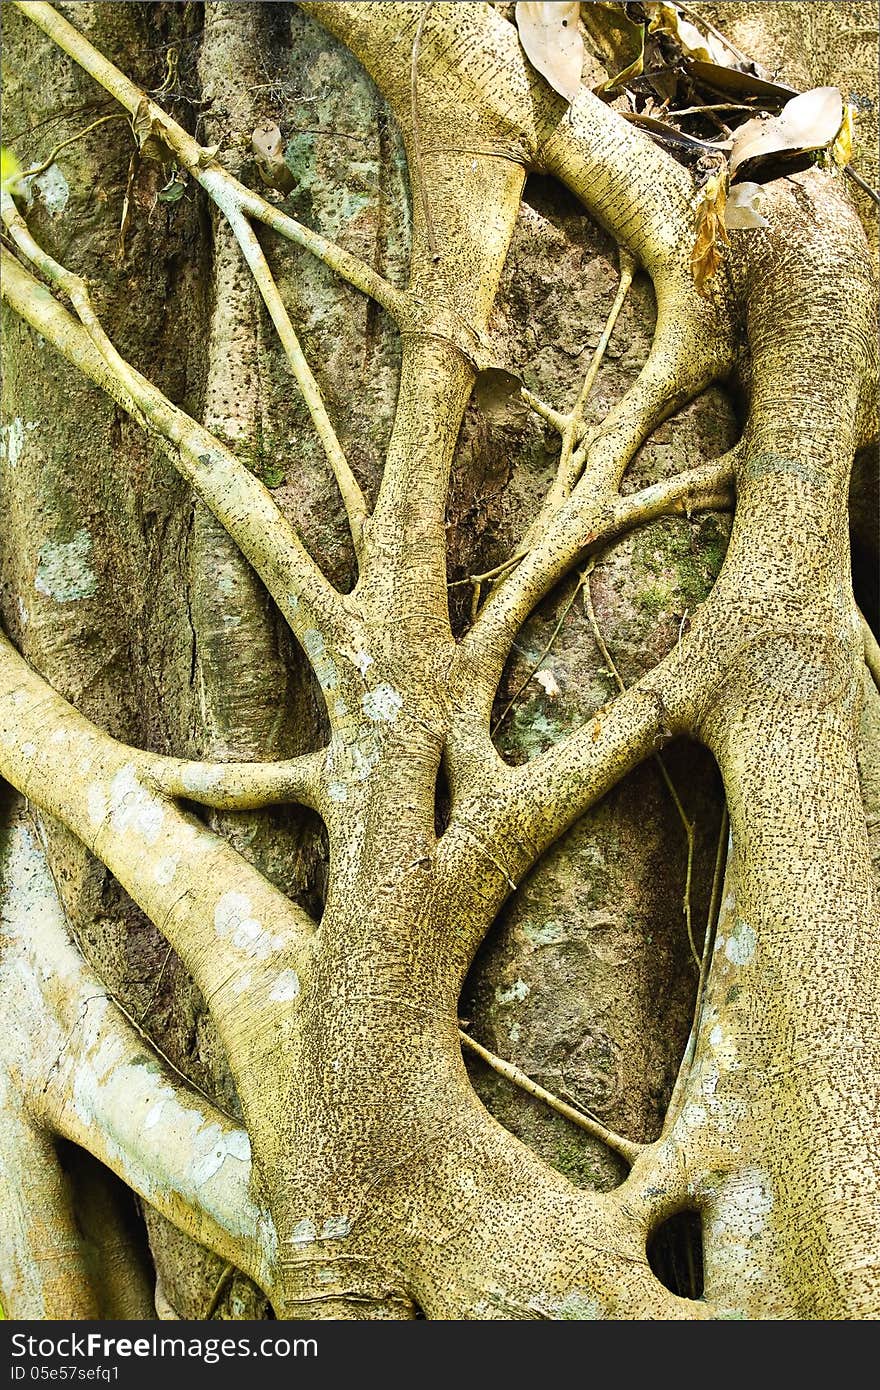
(732, 82)
(148, 131)
(268, 150)
(708, 249)
(668, 19)
(550, 35)
(618, 43)
(807, 122)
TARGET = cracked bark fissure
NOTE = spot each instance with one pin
(379, 1183)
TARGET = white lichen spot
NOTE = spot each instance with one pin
(199, 779)
(28, 749)
(241, 983)
(577, 1306)
(341, 709)
(337, 791)
(165, 1096)
(364, 757)
(517, 991)
(709, 1084)
(233, 918)
(132, 808)
(267, 1236)
(304, 1232)
(213, 1147)
(743, 1203)
(54, 190)
(59, 736)
(716, 1036)
(165, 869)
(12, 439)
(323, 664)
(514, 1033)
(383, 704)
(23, 615)
(361, 660)
(285, 987)
(741, 943)
(336, 1228)
(63, 569)
(693, 1115)
(96, 802)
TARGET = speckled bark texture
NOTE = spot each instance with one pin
(279, 819)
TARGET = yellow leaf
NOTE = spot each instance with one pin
(9, 167)
(842, 149)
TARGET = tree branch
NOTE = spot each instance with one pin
(242, 786)
(352, 497)
(241, 939)
(42, 1266)
(506, 818)
(201, 163)
(239, 500)
(82, 1069)
(587, 521)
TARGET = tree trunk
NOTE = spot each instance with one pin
(398, 1182)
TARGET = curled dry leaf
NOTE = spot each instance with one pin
(740, 210)
(148, 132)
(733, 83)
(550, 35)
(617, 42)
(668, 19)
(268, 150)
(808, 122)
(708, 252)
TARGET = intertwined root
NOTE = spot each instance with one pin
(378, 1182)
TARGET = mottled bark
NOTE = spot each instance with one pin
(423, 836)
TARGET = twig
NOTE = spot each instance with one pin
(239, 500)
(47, 163)
(553, 417)
(708, 947)
(627, 271)
(352, 497)
(706, 24)
(226, 1275)
(626, 1148)
(155, 994)
(75, 288)
(202, 164)
(582, 579)
(687, 825)
(863, 185)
